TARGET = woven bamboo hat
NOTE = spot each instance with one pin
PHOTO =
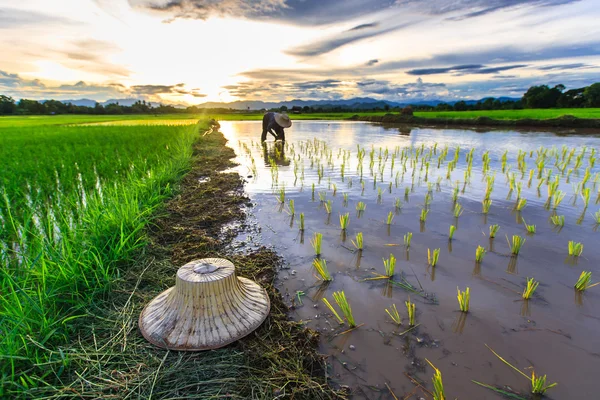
(209, 307)
(283, 120)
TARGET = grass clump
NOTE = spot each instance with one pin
(575, 248)
(479, 253)
(517, 243)
(359, 241)
(394, 315)
(316, 242)
(361, 206)
(532, 285)
(433, 256)
(464, 299)
(320, 266)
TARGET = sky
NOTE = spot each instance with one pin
(194, 51)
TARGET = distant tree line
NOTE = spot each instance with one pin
(542, 96)
(8, 106)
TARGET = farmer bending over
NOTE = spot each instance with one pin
(275, 122)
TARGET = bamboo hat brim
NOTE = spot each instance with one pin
(209, 307)
(283, 120)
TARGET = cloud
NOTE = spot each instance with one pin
(13, 18)
(297, 12)
(473, 8)
(372, 62)
(565, 66)
(365, 26)
(91, 55)
(333, 42)
(464, 69)
(16, 86)
(432, 71)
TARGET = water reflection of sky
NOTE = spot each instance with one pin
(346, 135)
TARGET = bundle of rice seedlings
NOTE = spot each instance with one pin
(432, 257)
(451, 232)
(390, 218)
(479, 253)
(493, 230)
(558, 220)
(584, 281)
(302, 221)
(517, 243)
(342, 302)
(321, 268)
(529, 228)
(281, 195)
(485, 205)
(316, 242)
(575, 248)
(361, 206)
(438, 386)
(464, 299)
(423, 216)
(538, 383)
(521, 204)
(458, 210)
(394, 315)
(327, 206)
(530, 288)
(407, 239)
(389, 266)
(359, 241)
(344, 221)
(337, 316)
(291, 207)
(411, 309)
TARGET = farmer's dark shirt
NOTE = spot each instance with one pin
(270, 125)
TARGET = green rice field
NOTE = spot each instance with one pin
(74, 202)
(515, 114)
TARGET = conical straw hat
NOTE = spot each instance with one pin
(209, 307)
(283, 120)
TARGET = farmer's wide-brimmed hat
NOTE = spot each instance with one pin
(209, 307)
(283, 120)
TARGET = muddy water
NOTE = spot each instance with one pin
(556, 333)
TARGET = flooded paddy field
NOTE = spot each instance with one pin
(539, 188)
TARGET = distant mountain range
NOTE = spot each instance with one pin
(355, 103)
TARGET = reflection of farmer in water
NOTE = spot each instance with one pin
(275, 152)
(274, 124)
